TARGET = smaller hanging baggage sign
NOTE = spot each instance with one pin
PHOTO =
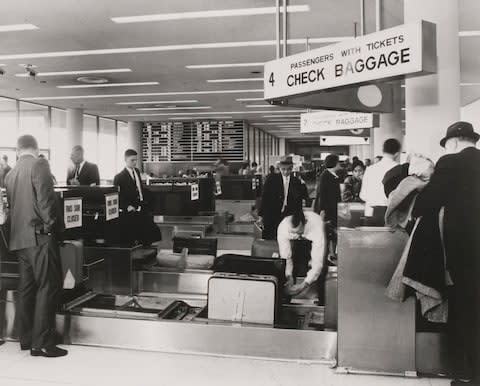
(72, 212)
(111, 206)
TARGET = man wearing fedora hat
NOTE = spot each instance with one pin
(455, 185)
(282, 196)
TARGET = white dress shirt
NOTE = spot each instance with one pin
(134, 175)
(372, 191)
(315, 232)
(286, 184)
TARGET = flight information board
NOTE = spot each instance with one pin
(193, 141)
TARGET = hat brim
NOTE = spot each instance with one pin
(474, 136)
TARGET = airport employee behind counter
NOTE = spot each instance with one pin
(302, 225)
(82, 172)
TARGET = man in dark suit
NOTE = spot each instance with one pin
(282, 196)
(35, 222)
(136, 224)
(82, 172)
(455, 186)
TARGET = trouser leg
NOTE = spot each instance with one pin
(27, 290)
(47, 271)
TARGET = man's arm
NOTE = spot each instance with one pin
(365, 186)
(435, 194)
(284, 246)
(45, 194)
(317, 254)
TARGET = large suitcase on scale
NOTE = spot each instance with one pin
(71, 256)
(243, 298)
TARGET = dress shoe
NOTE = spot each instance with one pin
(50, 352)
(25, 347)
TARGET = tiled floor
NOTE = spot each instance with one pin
(91, 366)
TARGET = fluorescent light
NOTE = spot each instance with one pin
(235, 80)
(78, 72)
(203, 118)
(469, 84)
(208, 14)
(249, 99)
(280, 116)
(144, 94)
(157, 102)
(270, 123)
(174, 108)
(468, 33)
(108, 85)
(174, 47)
(259, 106)
(225, 65)
(197, 113)
(17, 27)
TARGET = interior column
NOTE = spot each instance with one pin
(74, 127)
(433, 102)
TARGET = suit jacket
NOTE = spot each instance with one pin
(128, 189)
(328, 196)
(455, 185)
(88, 174)
(273, 197)
(393, 178)
(33, 204)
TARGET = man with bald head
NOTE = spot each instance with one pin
(82, 172)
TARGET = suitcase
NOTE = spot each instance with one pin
(243, 298)
(265, 248)
(71, 256)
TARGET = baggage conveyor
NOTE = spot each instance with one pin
(169, 314)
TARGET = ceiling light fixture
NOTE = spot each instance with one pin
(233, 65)
(78, 72)
(208, 14)
(259, 106)
(468, 33)
(145, 94)
(470, 84)
(249, 99)
(174, 108)
(157, 102)
(235, 80)
(174, 47)
(203, 118)
(17, 27)
(281, 116)
(213, 112)
(109, 85)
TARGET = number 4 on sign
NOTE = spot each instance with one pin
(271, 80)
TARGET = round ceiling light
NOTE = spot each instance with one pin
(370, 95)
(92, 80)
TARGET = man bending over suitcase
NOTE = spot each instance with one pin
(308, 226)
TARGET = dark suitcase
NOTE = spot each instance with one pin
(71, 255)
(265, 248)
(195, 246)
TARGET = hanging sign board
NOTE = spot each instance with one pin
(324, 121)
(408, 49)
(111, 206)
(336, 140)
(72, 212)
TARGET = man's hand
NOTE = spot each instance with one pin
(74, 181)
(289, 282)
(296, 289)
(259, 222)
(130, 209)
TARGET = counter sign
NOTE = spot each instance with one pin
(111, 206)
(406, 49)
(72, 212)
(194, 192)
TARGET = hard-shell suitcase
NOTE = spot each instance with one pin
(243, 298)
(265, 248)
(71, 255)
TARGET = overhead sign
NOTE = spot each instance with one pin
(111, 206)
(72, 212)
(323, 121)
(405, 49)
(336, 140)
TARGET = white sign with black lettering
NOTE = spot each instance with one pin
(111, 206)
(72, 212)
(388, 53)
(194, 192)
(218, 188)
(338, 140)
(323, 121)
(254, 183)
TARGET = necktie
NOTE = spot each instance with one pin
(133, 175)
(285, 192)
(77, 169)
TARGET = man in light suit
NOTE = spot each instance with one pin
(82, 172)
(136, 224)
(35, 222)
